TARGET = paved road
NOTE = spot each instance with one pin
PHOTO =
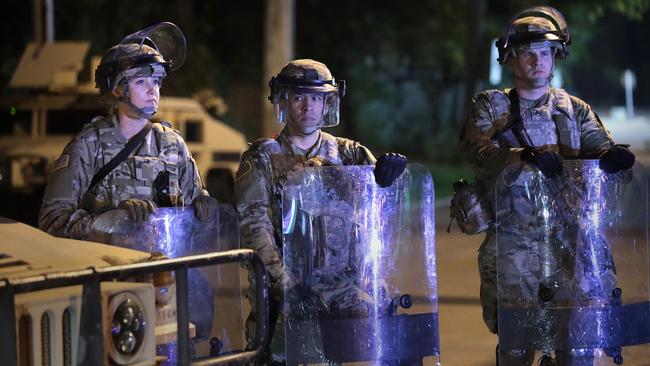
(465, 341)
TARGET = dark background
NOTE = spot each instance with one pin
(411, 66)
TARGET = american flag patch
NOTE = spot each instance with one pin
(60, 163)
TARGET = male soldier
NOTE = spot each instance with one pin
(123, 160)
(306, 97)
(545, 126)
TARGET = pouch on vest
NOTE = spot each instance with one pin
(162, 192)
(472, 214)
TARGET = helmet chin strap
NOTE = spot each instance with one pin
(550, 75)
(537, 82)
(134, 111)
(307, 131)
(303, 131)
(150, 70)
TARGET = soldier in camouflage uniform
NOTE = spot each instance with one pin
(553, 126)
(306, 97)
(159, 172)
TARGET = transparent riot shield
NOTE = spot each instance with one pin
(360, 264)
(215, 296)
(572, 266)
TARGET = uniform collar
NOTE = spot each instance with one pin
(530, 104)
(145, 149)
(285, 139)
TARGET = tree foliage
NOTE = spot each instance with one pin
(410, 65)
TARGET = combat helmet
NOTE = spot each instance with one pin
(539, 26)
(154, 51)
(306, 76)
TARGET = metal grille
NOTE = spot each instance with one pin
(67, 337)
(25, 340)
(46, 349)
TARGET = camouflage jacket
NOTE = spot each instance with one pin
(70, 205)
(263, 170)
(557, 121)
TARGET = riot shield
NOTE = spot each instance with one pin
(215, 294)
(572, 266)
(360, 265)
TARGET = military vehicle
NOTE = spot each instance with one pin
(53, 95)
(78, 302)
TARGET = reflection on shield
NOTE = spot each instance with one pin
(215, 292)
(572, 266)
(363, 264)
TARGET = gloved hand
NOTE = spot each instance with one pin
(615, 159)
(138, 210)
(277, 285)
(549, 162)
(205, 207)
(388, 167)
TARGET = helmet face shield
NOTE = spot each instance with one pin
(540, 26)
(159, 46)
(329, 110)
(152, 52)
(306, 77)
(166, 38)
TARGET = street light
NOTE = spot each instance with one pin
(629, 83)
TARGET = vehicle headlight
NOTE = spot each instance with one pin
(128, 327)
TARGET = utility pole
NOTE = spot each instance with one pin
(49, 21)
(37, 21)
(43, 21)
(278, 51)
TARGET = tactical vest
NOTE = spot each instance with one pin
(284, 162)
(551, 125)
(329, 226)
(135, 176)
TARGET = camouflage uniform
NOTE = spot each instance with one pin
(557, 122)
(259, 183)
(69, 208)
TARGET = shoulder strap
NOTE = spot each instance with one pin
(121, 156)
(516, 123)
(563, 102)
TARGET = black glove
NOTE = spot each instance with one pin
(205, 207)
(548, 162)
(138, 210)
(615, 159)
(388, 167)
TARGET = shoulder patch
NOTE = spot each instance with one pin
(60, 163)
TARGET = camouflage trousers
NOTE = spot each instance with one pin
(332, 295)
(340, 295)
(553, 259)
